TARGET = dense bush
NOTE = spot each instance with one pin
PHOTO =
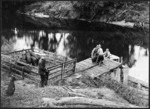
(95, 10)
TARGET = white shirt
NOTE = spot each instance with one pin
(100, 51)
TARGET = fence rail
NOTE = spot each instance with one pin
(23, 70)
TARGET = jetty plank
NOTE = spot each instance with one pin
(93, 69)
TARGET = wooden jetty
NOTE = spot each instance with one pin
(112, 67)
(94, 70)
(87, 65)
(58, 66)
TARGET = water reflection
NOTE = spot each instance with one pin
(140, 69)
(22, 43)
(77, 43)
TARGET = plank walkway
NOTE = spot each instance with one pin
(94, 70)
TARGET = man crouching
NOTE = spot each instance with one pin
(43, 72)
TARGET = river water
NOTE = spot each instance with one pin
(76, 39)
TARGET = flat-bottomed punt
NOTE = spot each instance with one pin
(58, 66)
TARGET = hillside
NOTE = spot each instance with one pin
(103, 11)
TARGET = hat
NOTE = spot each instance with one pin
(99, 45)
(42, 57)
(107, 48)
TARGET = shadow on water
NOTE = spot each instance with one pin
(73, 38)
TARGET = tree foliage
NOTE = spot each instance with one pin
(115, 11)
(107, 11)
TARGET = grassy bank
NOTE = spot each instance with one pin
(28, 94)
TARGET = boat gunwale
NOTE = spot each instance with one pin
(45, 52)
(54, 66)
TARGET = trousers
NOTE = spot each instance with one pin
(44, 79)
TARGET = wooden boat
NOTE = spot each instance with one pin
(58, 66)
(115, 58)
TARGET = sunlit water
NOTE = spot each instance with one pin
(79, 43)
(140, 69)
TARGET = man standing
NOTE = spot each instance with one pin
(43, 72)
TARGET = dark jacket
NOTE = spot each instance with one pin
(11, 87)
(41, 68)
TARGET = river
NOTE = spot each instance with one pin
(76, 39)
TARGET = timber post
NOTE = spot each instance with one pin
(121, 75)
(55, 58)
(125, 74)
(121, 60)
(62, 70)
(75, 61)
(22, 72)
(49, 57)
(65, 59)
(10, 68)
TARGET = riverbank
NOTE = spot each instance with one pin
(76, 10)
(28, 94)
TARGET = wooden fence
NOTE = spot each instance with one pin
(58, 66)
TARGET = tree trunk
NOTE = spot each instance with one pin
(84, 102)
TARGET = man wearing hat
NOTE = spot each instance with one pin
(43, 71)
